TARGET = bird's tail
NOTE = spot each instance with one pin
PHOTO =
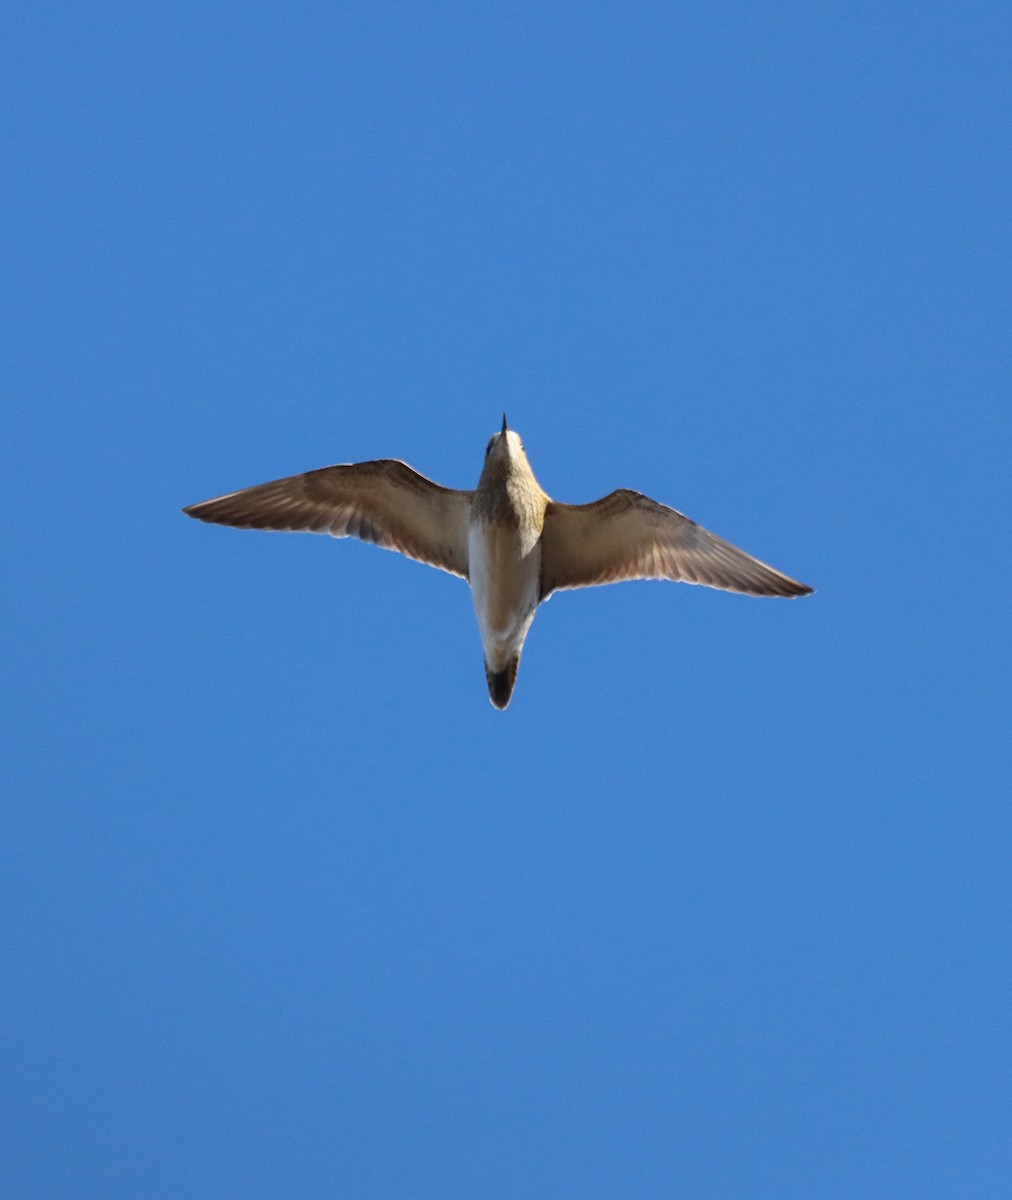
(501, 683)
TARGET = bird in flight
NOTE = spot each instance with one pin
(507, 538)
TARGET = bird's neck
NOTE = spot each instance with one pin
(510, 496)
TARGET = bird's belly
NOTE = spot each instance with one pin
(504, 587)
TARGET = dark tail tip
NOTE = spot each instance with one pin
(501, 683)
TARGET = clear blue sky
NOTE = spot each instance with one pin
(719, 908)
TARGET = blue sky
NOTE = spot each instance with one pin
(720, 906)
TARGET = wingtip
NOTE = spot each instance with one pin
(790, 589)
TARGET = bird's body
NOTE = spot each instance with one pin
(513, 544)
(504, 558)
(505, 574)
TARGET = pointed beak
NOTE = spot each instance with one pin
(504, 422)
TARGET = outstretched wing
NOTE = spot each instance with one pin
(629, 536)
(384, 501)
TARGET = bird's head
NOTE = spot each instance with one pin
(505, 444)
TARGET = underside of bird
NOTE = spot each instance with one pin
(513, 544)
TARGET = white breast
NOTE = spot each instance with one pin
(505, 578)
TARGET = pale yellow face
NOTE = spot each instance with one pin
(505, 458)
(508, 442)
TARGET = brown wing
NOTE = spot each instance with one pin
(629, 536)
(385, 502)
